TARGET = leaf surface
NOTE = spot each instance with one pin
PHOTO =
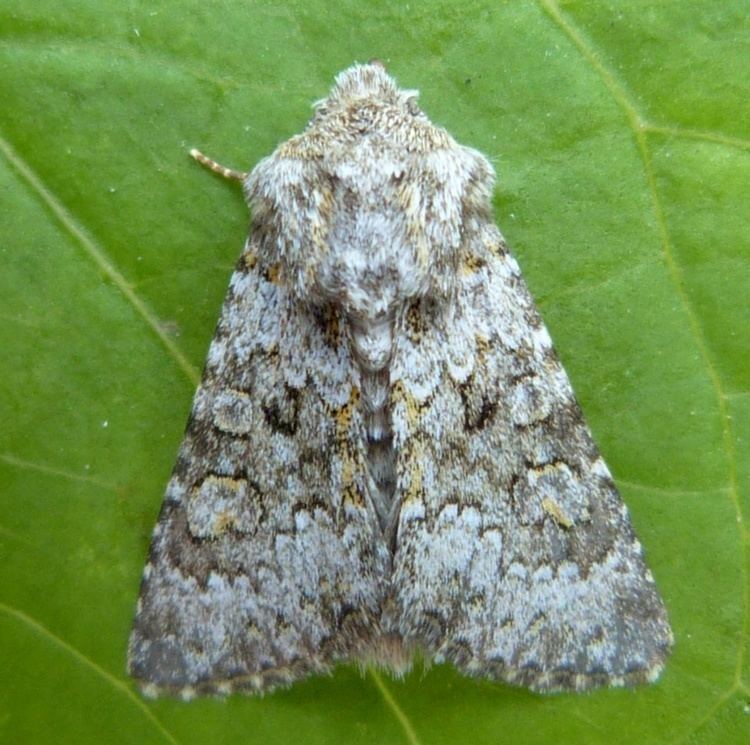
(621, 137)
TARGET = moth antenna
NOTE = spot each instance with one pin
(211, 164)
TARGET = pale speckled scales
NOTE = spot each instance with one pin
(385, 454)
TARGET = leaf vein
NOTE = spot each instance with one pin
(696, 134)
(640, 128)
(671, 491)
(118, 685)
(28, 465)
(98, 256)
(397, 711)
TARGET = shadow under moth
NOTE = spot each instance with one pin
(385, 455)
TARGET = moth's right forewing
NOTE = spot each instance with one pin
(515, 555)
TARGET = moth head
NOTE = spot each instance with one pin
(369, 207)
(366, 100)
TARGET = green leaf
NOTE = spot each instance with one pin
(621, 137)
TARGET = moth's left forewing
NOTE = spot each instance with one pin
(266, 564)
(515, 556)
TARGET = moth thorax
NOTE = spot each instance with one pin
(370, 279)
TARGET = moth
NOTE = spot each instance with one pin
(385, 455)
